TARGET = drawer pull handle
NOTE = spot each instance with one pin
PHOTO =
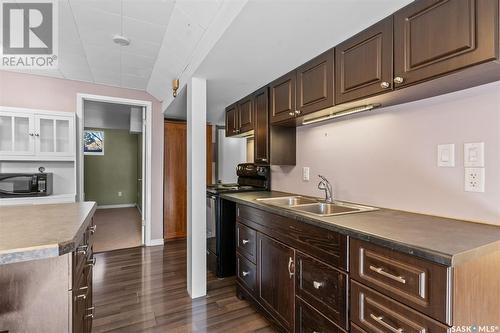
(291, 113)
(91, 262)
(381, 321)
(82, 249)
(93, 229)
(317, 284)
(290, 267)
(245, 241)
(245, 273)
(380, 271)
(82, 296)
(90, 315)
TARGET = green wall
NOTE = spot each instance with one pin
(113, 172)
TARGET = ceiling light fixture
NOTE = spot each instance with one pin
(121, 40)
(175, 86)
(341, 113)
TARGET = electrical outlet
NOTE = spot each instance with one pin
(120, 194)
(305, 173)
(474, 179)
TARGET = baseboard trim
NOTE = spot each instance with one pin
(155, 242)
(116, 206)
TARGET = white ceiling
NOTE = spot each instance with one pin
(164, 35)
(269, 38)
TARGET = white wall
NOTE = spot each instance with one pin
(232, 151)
(106, 115)
(388, 158)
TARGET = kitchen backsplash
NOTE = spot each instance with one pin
(388, 158)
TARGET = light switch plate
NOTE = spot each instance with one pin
(305, 173)
(446, 155)
(474, 179)
(474, 154)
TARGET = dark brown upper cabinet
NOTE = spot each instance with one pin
(315, 84)
(282, 98)
(232, 123)
(363, 63)
(245, 114)
(261, 132)
(433, 38)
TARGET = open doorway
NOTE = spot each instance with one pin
(113, 144)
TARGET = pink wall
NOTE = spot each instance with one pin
(388, 158)
(39, 92)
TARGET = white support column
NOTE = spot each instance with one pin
(196, 187)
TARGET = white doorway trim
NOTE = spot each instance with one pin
(147, 136)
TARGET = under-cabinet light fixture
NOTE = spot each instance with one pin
(342, 113)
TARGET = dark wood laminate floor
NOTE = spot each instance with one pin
(144, 290)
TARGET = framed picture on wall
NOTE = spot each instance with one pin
(93, 142)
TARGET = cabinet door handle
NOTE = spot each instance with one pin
(90, 315)
(245, 273)
(37, 134)
(245, 241)
(399, 80)
(385, 85)
(381, 271)
(31, 134)
(93, 229)
(381, 321)
(290, 267)
(317, 284)
(291, 113)
(298, 112)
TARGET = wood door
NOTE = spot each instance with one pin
(175, 180)
(435, 37)
(232, 124)
(283, 98)
(363, 63)
(275, 276)
(246, 117)
(261, 136)
(315, 84)
(175, 177)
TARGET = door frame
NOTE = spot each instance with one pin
(146, 154)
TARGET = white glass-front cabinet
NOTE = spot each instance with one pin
(36, 135)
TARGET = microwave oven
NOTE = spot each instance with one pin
(25, 184)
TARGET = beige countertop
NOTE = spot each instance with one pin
(442, 240)
(42, 231)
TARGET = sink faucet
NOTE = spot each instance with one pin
(325, 185)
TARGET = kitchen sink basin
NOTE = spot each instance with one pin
(330, 209)
(288, 201)
(314, 206)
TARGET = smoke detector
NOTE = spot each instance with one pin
(121, 40)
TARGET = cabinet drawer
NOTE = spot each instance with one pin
(246, 242)
(309, 320)
(247, 273)
(323, 287)
(356, 329)
(422, 285)
(374, 312)
(326, 245)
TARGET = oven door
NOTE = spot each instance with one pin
(17, 185)
(212, 223)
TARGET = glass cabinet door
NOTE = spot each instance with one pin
(16, 134)
(54, 136)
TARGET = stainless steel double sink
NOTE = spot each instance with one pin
(314, 206)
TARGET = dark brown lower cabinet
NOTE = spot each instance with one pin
(275, 278)
(295, 289)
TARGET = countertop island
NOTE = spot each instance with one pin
(441, 240)
(46, 265)
(41, 231)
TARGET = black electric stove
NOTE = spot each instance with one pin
(221, 217)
